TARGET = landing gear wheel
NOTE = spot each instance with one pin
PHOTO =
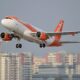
(18, 45)
(42, 45)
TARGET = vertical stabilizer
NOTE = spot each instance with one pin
(58, 29)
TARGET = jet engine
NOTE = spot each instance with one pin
(42, 36)
(6, 36)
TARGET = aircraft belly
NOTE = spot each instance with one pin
(32, 39)
(27, 36)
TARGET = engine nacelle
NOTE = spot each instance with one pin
(42, 36)
(6, 36)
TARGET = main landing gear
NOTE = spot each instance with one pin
(18, 45)
(42, 45)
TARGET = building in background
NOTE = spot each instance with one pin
(16, 67)
(78, 64)
(54, 58)
(50, 69)
(37, 61)
(69, 57)
(8, 67)
(69, 61)
(23, 66)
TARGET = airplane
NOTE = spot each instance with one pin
(21, 30)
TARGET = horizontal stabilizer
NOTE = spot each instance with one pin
(63, 33)
(66, 42)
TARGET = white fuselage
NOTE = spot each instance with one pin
(23, 31)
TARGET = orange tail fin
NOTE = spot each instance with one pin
(59, 29)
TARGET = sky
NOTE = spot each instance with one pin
(44, 14)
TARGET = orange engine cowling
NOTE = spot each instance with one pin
(6, 36)
(42, 36)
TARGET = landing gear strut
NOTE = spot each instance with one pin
(18, 45)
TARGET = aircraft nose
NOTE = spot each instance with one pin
(3, 22)
(8, 23)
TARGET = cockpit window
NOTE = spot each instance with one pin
(8, 18)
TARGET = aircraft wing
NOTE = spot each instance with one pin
(66, 42)
(63, 33)
(50, 34)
